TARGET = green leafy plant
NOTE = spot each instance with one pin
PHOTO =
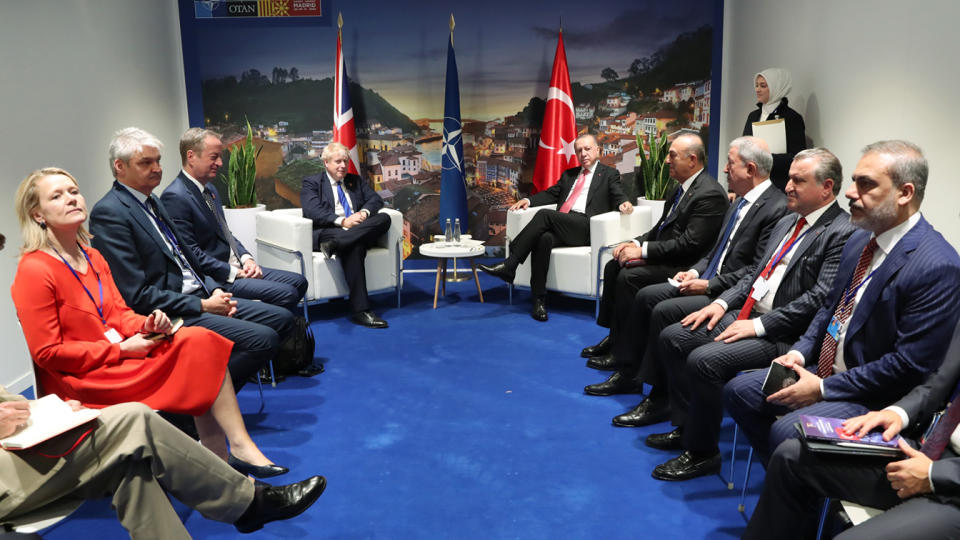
(655, 174)
(242, 173)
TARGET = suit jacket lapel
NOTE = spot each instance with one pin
(684, 199)
(747, 220)
(814, 233)
(141, 219)
(594, 183)
(198, 197)
(884, 273)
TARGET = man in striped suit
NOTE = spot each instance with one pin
(887, 322)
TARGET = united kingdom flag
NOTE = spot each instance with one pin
(344, 131)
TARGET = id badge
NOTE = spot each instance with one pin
(760, 289)
(834, 329)
(113, 336)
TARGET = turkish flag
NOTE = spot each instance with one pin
(555, 153)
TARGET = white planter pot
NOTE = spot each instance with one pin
(243, 225)
(656, 208)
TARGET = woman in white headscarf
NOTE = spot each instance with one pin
(772, 86)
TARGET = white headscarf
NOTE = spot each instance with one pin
(779, 83)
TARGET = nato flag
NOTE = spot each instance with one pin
(453, 188)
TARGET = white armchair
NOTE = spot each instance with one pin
(285, 241)
(578, 271)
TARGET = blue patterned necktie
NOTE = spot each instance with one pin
(344, 202)
(673, 208)
(722, 246)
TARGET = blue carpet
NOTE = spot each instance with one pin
(467, 421)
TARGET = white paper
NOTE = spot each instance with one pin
(49, 417)
(774, 132)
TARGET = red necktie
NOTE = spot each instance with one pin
(936, 443)
(828, 350)
(575, 192)
(767, 270)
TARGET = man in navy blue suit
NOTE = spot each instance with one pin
(153, 268)
(196, 208)
(887, 321)
(344, 210)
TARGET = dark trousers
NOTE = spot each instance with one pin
(352, 247)
(654, 308)
(277, 287)
(759, 421)
(797, 480)
(620, 287)
(546, 230)
(697, 367)
(256, 331)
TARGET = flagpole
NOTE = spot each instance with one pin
(453, 24)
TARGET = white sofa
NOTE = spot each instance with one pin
(578, 271)
(285, 241)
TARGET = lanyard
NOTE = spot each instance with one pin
(161, 224)
(85, 289)
(850, 295)
(783, 252)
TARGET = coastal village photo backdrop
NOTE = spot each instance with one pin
(638, 70)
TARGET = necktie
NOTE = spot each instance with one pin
(211, 203)
(168, 232)
(575, 192)
(344, 202)
(722, 245)
(673, 208)
(767, 270)
(828, 350)
(936, 442)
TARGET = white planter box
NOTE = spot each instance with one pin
(243, 225)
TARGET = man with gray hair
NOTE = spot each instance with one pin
(754, 320)
(887, 322)
(742, 243)
(154, 269)
(344, 210)
(195, 205)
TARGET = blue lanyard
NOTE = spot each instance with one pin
(163, 228)
(85, 289)
(783, 252)
(847, 297)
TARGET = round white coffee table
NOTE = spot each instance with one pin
(442, 251)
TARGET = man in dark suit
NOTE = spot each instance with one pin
(690, 224)
(756, 319)
(920, 491)
(740, 247)
(344, 210)
(153, 268)
(194, 203)
(887, 321)
(580, 193)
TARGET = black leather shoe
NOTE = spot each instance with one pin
(328, 248)
(264, 376)
(500, 270)
(597, 350)
(671, 440)
(539, 309)
(687, 466)
(368, 319)
(310, 370)
(605, 362)
(260, 471)
(647, 412)
(273, 503)
(616, 384)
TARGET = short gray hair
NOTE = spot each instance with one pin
(195, 139)
(333, 150)
(129, 141)
(909, 165)
(751, 152)
(828, 166)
